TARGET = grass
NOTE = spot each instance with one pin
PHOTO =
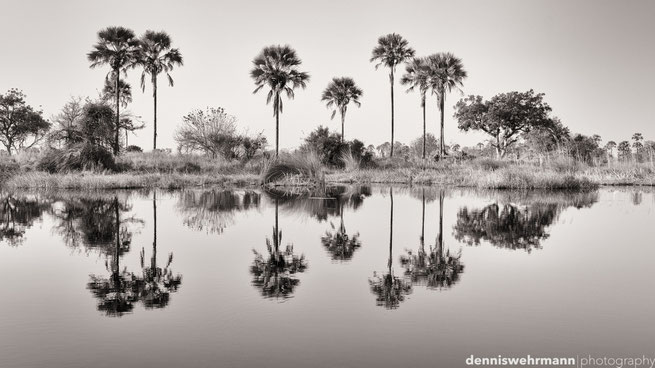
(149, 170)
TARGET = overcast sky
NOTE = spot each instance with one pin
(594, 60)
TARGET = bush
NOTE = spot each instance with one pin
(133, 148)
(80, 156)
(8, 166)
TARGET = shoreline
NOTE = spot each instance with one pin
(510, 179)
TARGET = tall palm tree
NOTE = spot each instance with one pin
(117, 47)
(338, 94)
(390, 51)
(277, 67)
(446, 73)
(417, 77)
(156, 56)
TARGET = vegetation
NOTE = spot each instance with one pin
(277, 68)
(156, 56)
(338, 95)
(81, 148)
(391, 51)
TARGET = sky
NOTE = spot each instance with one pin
(594, 60)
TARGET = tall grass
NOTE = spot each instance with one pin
(305, 169)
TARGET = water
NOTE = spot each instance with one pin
(355, 277)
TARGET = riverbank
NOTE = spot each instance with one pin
(464, 175)
(160, 170)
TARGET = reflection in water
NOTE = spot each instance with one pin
(434, 269)
(118, 292)
(94, 222)
(214, 210)
(17, 214)
(275, 274)
(514, 226)
(338, 243)
(320, 203)
(389, 289)
(157, 283)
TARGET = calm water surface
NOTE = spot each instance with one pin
(353, 277)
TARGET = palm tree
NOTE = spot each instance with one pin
(390, 51)
(277, 68)
(118, 48)
(340, 245)
(338, 94)
(446, 73)
(156, 56)
(416, 76)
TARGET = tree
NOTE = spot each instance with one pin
(277, 68)
(426, 145)
(390, 51)
(504, 117)
(637, 145)
(19, 122)
(417, 77)
(328, 146)
(117, 47)
(609, 148)
(156, 56)
(446, 72)
(338, 94)
(67, 123)
(213, 132)
(624, 149)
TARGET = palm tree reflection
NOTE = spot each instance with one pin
(156, 283)
(274, 274)
(214, 210)
(389, 289)
(338, 243)
(434, 269)
(117, 293)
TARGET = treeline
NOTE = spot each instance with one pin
(89, 132)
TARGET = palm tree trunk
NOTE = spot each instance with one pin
(154, 120)
(343, 119)
(442, 102)
(423, 127)
(392, 112)
(153, 263)
(118, 237)
(118, 113)
(440, 239)
(390, 230)
(276, 241)
(277, 125)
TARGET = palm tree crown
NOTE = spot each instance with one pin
(338, 94)
(156, 56)
(277, 68)
(116, 47)
(446, 73)
(390, 51)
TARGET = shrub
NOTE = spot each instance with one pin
(133, 148)
(307, 166)
(79, 156)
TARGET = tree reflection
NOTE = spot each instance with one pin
(517, 226)
(274, 274)
(117, 293)
(389, 289)
(214, 210)
(319, 203)
(157, 283)
(338, 243)
(17, 214)
(435, 269)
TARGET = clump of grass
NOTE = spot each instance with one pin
(306, 169)
(163, 162)
(350, 162)
(523, 178)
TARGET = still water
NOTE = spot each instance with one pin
(350, 277)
